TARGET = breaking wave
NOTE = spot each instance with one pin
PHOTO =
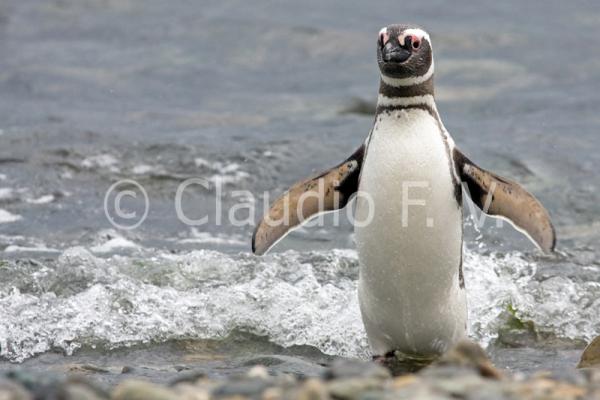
(293, 298)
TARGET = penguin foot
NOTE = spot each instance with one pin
(399, 364)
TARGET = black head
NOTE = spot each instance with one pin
(404, 51)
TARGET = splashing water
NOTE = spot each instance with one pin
(293, 298)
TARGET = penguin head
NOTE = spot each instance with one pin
(404, 51)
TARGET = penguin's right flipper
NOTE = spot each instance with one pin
(328, 191)
(500, 197)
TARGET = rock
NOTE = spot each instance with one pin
(402, 382)
(259, 372)
(191, 392)
(80, 391)
(340, 369)
(127, 370)
(460, 385)
(566, 375)
(141, 390)
(312, 389)
(40, 384)
(86, 369)
(591, 355)
(267, 361)
(13, 391)
(79, 388)
(548, 390)
(353, 388)
(252, 387)
(471, 355)
(188, 377)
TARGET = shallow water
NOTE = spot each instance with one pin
(254, 98)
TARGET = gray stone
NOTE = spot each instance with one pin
(13, 391)
(353, 388)
(591, 355)
(341, 369)
(312, 389)
(188, 377)
(252, 387)
(141, 390)
(80, 391)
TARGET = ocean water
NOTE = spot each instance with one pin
(247, 99)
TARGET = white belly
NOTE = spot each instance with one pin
(410, 255)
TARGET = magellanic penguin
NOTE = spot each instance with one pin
(409, 178)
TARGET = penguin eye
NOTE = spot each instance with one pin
(416, 42)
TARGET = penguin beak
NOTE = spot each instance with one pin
(395, 53)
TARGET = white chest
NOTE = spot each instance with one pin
(409, 237)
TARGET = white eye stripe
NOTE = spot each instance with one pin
(384, 36)
(421, 34)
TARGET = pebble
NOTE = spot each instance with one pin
(591, 355)
(465, 372)
(341, 369)
(79, 391)
(245, 387)
(13, 391)
(141, 390)
(312, 389)
(352, 388)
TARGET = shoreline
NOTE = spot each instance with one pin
(465, 372)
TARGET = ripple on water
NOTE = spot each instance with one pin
(294, 298)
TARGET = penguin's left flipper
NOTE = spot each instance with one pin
(500, 197)
(328, 191)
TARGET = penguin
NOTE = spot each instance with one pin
(409, 179)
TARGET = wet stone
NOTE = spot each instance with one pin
(591, 355)
(356, 369)
(191, 392)
(267, 361)
(354, 388)
(188, 377)
(245, 387)
(39, 384)
(141, 390)
(258, 372)
(80, 391)
(459, 386)
(312, 389)
(86, 369)
(13, 391)
(565, 375)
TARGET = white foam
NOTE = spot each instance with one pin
(223, 173)
(6, 193)
(114, 244)
(41, 200)
(107, 161)
(28, 249)
(198, 237)
(201, 162)
(293, 298)
(142, 169)
(7, 217)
